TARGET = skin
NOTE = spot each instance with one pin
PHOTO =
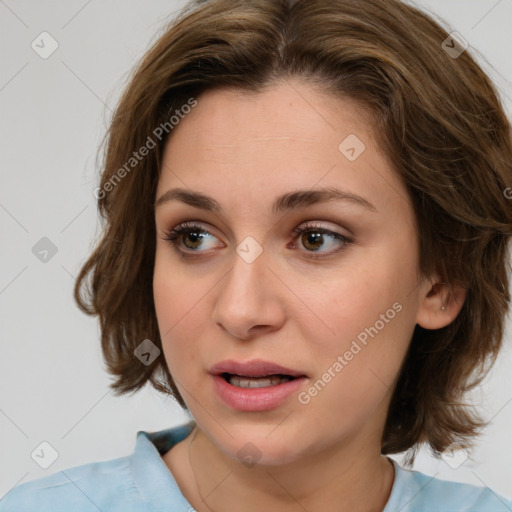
(244, 150)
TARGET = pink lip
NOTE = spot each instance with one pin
(253, 368)
(254, 399)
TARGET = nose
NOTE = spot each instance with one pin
(248, 301)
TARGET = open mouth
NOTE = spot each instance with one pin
(265, 381)
(255, 385)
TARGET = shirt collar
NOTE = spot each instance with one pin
(153, 480)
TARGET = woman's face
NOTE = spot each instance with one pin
(335, 306)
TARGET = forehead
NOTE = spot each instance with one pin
(282, 111)
(289, 135)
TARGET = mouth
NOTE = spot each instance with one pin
(256, 382)
(254, 374)
(255, 385)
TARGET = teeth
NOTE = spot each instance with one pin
(257, 382)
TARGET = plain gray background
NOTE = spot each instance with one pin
(53, 114)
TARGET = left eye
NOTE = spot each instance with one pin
(314, 238)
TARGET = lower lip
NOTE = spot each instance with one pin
(255, 399)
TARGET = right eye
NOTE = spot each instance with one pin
(191, 237)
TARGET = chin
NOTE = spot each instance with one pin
(253, 446)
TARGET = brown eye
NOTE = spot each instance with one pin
(195, 238)
(191, 237)
(320, 240)
(312, 241)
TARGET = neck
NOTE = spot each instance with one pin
(351, 477)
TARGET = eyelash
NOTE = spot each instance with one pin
(185, 228)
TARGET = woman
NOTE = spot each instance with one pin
(306, 224)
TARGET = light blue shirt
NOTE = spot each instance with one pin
(141, 482)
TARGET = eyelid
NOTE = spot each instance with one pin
(310, 225)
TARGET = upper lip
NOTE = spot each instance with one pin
(252, 368)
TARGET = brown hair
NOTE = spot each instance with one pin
(441, 125)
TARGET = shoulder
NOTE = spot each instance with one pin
(416, 492)
(104, 485)
(140, 482)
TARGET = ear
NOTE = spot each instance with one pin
(439, 304)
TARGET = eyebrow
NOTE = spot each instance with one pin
(289, 201)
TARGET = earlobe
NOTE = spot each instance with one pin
(439, 303)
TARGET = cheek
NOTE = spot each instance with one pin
(355, 370)
(176, 303)
(177, 294)
(370, 312)
(354, 298)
